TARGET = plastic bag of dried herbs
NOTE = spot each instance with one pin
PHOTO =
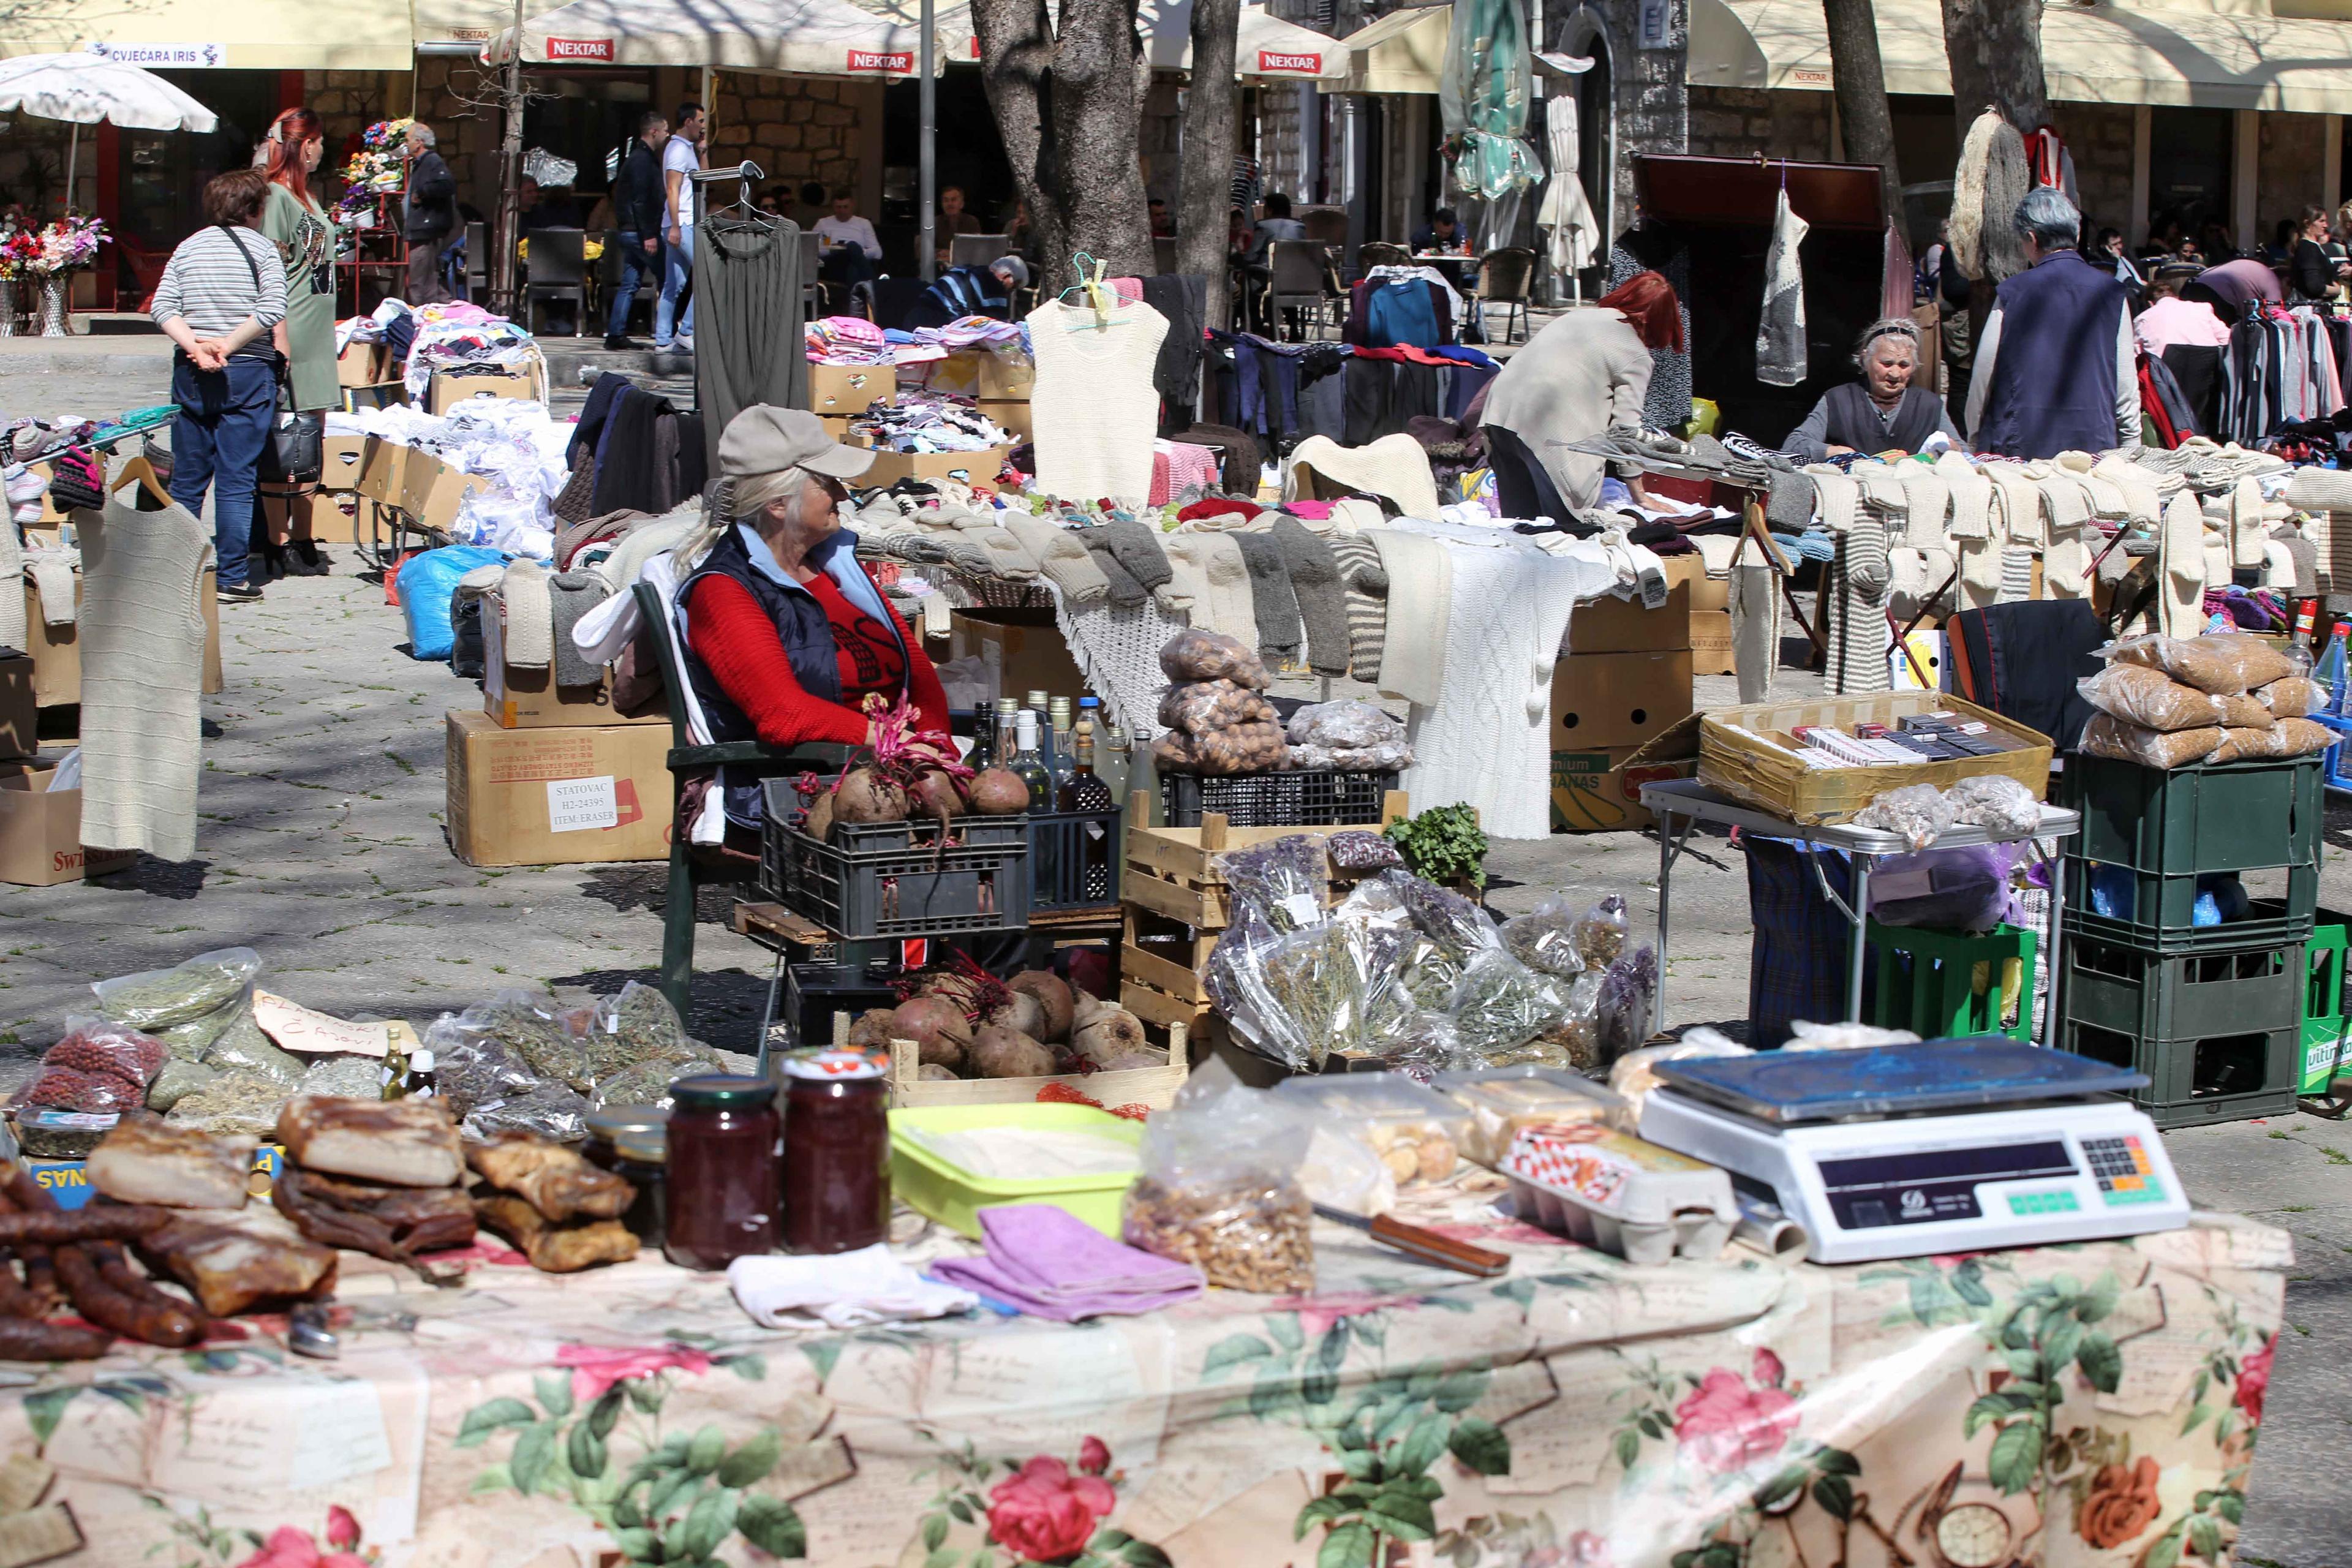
(1442, 915)
(1568, 932)
(1501, 1004)
(159, 998)
(551, 1111)
(528, 1024)
(646, 1082)
(1629, 994)
(1333, 987)
(636, 1026)
(1288, 879)
(243, 1048)
(473, 1067)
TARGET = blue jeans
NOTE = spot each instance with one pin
(678, 270)
(217, 440)
(635, 264)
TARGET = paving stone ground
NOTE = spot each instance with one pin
(321, 846)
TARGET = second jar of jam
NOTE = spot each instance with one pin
(723, 1199)
(836, 1153)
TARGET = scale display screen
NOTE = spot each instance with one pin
(1870, 1191)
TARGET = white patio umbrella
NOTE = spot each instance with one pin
(89, 89)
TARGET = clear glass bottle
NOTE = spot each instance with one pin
(1111, 763)
(1008, 712)
(1058, 758)
(1042, 706)
(983, 737)
(1027, 766)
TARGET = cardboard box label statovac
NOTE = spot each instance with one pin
(551, 798)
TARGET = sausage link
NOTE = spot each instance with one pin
(117, 1311)
(22, 1341)
(115, 1270)
(59, 1227)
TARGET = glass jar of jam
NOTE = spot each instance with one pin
(837, 1151)
(721, 1189)
(633, 1143)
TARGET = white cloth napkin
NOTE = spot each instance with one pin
(847, 1290)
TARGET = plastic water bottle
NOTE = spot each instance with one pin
(2334, 669)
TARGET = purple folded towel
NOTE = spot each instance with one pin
(1051, 1264)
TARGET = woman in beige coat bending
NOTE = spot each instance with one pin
(1583, 377)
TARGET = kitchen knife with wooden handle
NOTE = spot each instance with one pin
(1428, 1247)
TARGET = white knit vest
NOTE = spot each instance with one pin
(143, 647)
(1094, 408)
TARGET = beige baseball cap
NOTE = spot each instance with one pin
(763, 439)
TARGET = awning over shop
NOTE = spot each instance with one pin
(1266, 45)
(201, 35)
(801, 37)
(476, 22)
(1404, 52)
(2102, 56)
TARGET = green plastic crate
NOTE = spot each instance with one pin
(2223, 817)
(1943, 984)
(2269, 921)
(2196, 1082)
(2324, 1010)
(2191, 996)
(954, 1197)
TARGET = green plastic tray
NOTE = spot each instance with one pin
(954, 1197)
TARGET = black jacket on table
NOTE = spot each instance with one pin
(431, 198)
(639, 197)
(2310, 274)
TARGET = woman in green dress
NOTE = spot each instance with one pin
(305, 238)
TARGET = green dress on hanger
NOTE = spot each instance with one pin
(306, 244)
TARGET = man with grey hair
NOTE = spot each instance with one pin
(2055, 370)
(429, 215)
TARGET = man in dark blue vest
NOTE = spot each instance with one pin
(2054, 372)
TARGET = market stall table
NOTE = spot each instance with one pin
(1694, 802)
(1579, 1405)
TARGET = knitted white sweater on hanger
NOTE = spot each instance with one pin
(1488, 742)
(1094, 408)
(143, 653)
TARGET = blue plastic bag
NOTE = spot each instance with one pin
(426, 579)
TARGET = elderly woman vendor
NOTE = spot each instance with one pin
(786, 633)
(1883, 412)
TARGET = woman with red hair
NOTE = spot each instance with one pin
(296, 221)
(1585, 375)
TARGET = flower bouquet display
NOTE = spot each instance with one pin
(53, 256)
(374, 171)
(20, 247)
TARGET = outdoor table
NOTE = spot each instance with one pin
(1579, 1410)
(1690, 803)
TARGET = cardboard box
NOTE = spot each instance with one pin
(985, 374)
(1710, 642)
(56, 650)
(556, 797)
(444, 392)
(430, 490)
(1600, 700)
(343, 456)
(529, 698)
(384, 469)
(383, 395)
(843, 390)
(1015, 415)
(1706, 593)
(1600, 792)
(332, 518)
(362, 364)
(1612, 625)
(40, 831)
(979, 467)
(1022, 649)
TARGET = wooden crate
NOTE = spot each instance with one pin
(1154, 1087)
(1172, 871)
(1736, 760)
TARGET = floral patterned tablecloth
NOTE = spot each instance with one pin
(2092, 1404)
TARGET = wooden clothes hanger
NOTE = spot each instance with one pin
(141, 470)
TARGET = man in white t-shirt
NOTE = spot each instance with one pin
(845, 243)
(680, 157)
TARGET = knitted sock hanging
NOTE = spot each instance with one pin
(2180, 569)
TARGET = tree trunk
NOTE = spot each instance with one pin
(506, 287)
(1859, 84)
(1068, 109)
(1995, 50)
(1207, 191)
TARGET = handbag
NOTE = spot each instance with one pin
(296, 452)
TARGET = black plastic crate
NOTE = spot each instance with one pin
(814, 993)
(1304, 799)
(2195, 1081)
(2160, 921)
(1074, 859)
(2179, 822)
(2188, 996)
(896, 879)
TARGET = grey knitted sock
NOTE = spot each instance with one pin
(2305, 557)
(570, 596)
(1125, 591)
(1789, 505)
(1279, 631)
(1322, 605)
(1366, 583)
(1136, 546)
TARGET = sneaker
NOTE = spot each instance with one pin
(685, 344)
(239, 594)
(617, 343)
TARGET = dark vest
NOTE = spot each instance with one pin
(807, 636)
(2054, 373)
(1853, 419)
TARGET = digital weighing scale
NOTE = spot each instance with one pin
(1906, 1151)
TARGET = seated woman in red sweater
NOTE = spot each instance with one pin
(787, 636)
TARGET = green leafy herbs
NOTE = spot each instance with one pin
(1442, 844)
